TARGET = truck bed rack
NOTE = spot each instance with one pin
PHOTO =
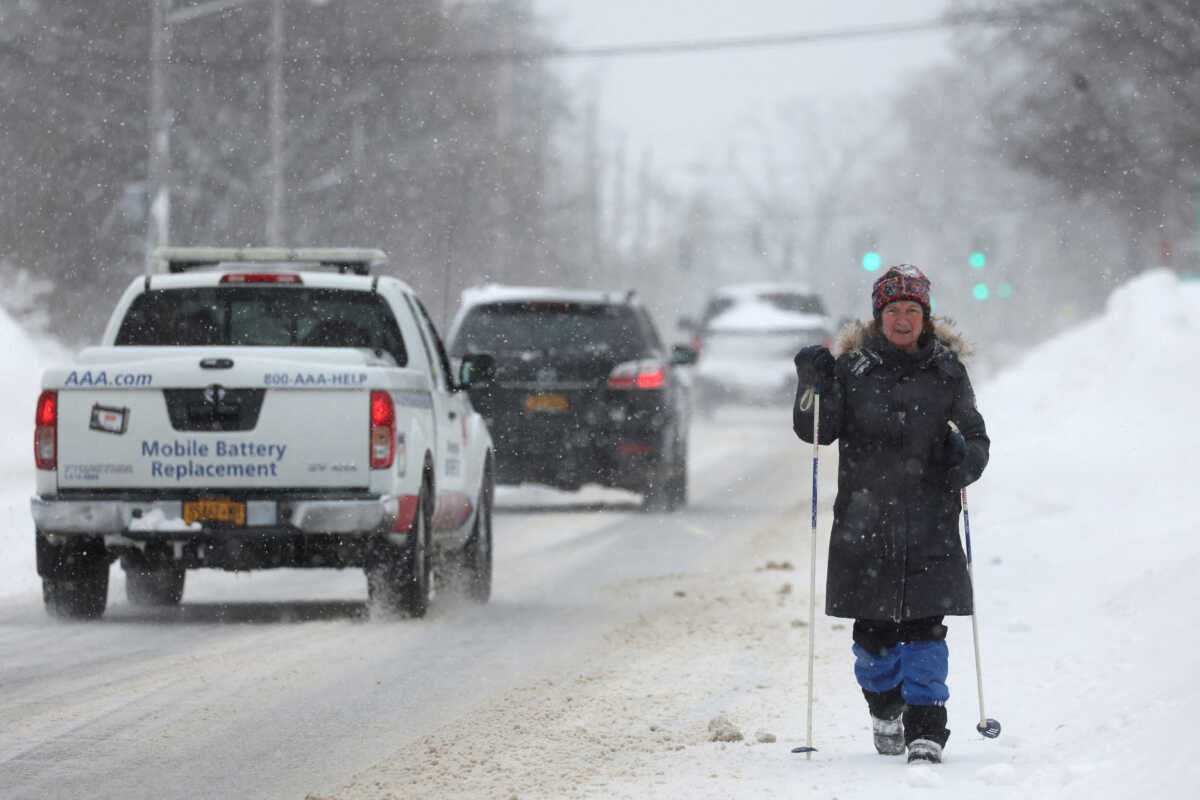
(355, 260)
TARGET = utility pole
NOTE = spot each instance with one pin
(275, 209)
(592, 191)
(158, 173)
(158, 178)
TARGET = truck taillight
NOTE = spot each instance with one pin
(45, 435)
(383, 430)
(645, 374)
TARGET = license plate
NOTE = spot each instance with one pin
(215, 510)
(547, 402)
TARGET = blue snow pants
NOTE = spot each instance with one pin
(911, 654)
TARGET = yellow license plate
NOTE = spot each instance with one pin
(546, 401)
(216, 510)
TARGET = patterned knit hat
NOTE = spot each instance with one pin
(902, 282)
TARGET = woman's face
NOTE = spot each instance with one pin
(902, 322)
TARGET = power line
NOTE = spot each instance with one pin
(729, 43)
(597, 51)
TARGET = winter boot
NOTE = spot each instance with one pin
(889, 735)
(924, 751)
(925, 733)
(887, 722)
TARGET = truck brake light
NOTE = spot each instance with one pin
(45, 436)
(383, 430)
(261, 277)
(645, 374)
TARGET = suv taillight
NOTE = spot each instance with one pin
(45, 435)
(383, 430)
(648, 373)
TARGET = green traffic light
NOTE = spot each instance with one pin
(871, 261)
(977, 259)
(980, 291)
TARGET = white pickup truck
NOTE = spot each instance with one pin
(259, 408)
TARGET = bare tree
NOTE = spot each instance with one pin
(408, 125)
(1101, 97)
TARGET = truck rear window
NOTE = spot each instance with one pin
(255, 316)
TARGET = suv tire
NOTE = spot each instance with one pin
(677, 485)
(668, 489)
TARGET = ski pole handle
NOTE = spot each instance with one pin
(966, 515)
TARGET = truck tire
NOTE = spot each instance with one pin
(399, 580)
(74, 578)
(152, 584)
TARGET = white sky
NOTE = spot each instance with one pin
(683, 105)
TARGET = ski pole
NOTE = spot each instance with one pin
(990, 728)
(808, 749)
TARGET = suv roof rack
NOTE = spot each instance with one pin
(356, 260)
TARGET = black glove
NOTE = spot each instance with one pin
(951, 450)
(817, 358)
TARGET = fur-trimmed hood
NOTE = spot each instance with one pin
(855, 333)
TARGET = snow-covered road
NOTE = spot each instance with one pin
(277, 684)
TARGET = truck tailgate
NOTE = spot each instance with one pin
(265, 424)
(125, 440)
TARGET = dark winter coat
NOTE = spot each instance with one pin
(894, 551)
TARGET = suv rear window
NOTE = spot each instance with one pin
(547, 327)
(251, 316)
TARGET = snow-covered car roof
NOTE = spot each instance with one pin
(805, 306)
(760, 317)
(499, 293)
(754, 289)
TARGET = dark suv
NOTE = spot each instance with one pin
(584, 390)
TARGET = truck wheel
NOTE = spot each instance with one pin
(417, 558)
(74, 578)
(152, 585)
(477, 555)
(399, 580)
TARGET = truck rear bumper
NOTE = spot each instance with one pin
(305, 515)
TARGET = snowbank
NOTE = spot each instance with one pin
(20, 375)
(1086, 549)
(20, 370)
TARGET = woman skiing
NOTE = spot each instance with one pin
(898, 400)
